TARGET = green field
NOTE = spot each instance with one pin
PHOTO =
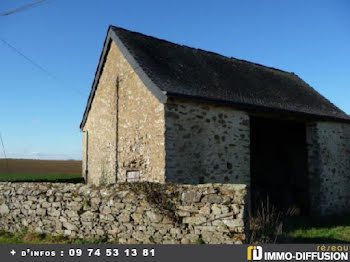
(316, 230)
(69, 178)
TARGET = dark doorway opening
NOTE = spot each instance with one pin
(279, 164)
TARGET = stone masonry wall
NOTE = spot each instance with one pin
(101, 126)
(329, 167)
(206, 143)
(139, 118)
(127, 212)
(140, 127)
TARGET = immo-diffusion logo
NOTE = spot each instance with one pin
(254, 253)
(322, 253)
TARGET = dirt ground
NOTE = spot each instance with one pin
(32, 166)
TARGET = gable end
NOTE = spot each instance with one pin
(153, 88)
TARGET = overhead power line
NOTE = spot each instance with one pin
(41, 68)
(27, 58)
(23, 8)
(3, 149)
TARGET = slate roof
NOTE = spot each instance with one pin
(169, 69)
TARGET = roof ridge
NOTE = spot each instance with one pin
(203, 50)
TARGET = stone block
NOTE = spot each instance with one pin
(154, 217)
(212, 198)
(194, 220)
(233, 223)
(191, 196)
(4, 210)
(70, 226)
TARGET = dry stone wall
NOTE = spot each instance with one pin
(206, 144)
(329, 167)
(128, 212)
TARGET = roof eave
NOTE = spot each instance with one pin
(250, 108)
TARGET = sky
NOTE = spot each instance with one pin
(41, 105)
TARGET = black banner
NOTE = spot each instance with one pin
(178, 253)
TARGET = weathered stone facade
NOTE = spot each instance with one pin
(125, 126)
(206, 144)
(329, 165)
(140, 127)
(130, 213)
(100, 127)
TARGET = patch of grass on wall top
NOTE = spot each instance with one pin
(160, 196)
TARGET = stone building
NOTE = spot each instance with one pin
(168, 113)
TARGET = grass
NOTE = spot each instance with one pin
(265, 224)
(35, 238)
(63, 178)
(199, 241)
(316, 230)
(269, 225)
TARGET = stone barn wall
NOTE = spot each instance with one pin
(135, 123)
(329, 167)
(127, 212)
(100, 127)
(140, 127)
(206, 144)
